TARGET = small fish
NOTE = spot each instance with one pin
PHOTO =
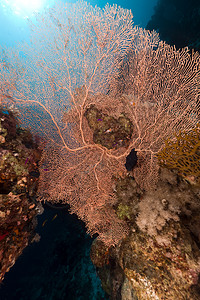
(26, 161)
(54, 217)
(44, 223)
(109, 130)
(45, 169)
(32, 206)
(99, 120)
(131, 160)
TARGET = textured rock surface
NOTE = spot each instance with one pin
(160, 259)
(18, 183)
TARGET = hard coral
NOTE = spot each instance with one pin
(108, 131)
(19, 156)
(8, 123)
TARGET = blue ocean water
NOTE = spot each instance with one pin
(13, 21)
(58, 266)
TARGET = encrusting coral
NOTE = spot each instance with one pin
(18, 161)
(160, 257)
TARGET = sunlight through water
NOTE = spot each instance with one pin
(25, 8)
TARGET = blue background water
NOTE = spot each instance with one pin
(59, 266)
(13, 26)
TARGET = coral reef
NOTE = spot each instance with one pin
(155, 272)
(19, 174)
(104, 90)
(107, 90)
(160, 258)
(108, 131)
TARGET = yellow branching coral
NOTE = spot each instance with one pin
(183, 153)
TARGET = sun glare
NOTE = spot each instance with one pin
(24, 8)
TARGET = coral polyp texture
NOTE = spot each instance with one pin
(87, 66)
(183, 153)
